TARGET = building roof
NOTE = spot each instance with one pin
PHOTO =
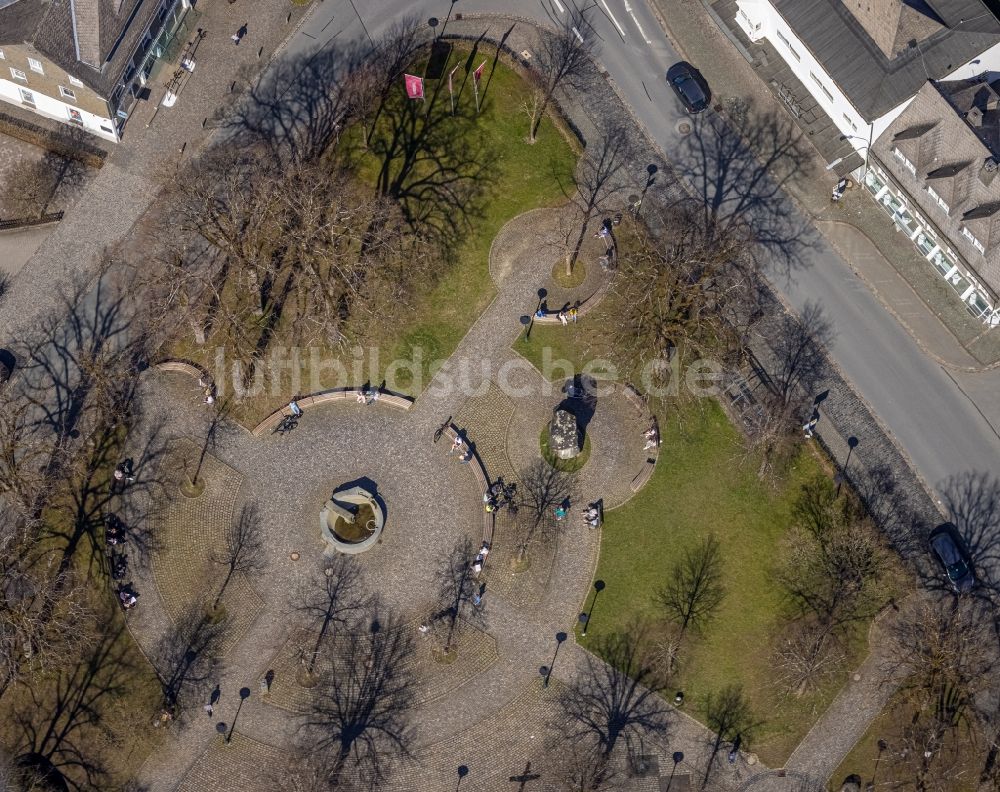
(874, 82)
(91, 39)
(955, 162)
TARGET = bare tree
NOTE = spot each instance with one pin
(561, 59)
(253, 248)
(690, 294)
(728, 715)
(332, 600)
(542, 488)
(598, 180)
(616, 699)
(806, 657)
(835, 566)
(31, 184)
(44, 622)
(244, 550)
(694, 590)
(456, 588)
(361, 717)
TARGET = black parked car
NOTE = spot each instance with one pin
(946, 543)
(689, 86)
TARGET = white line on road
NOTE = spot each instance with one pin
(559, 6)
(612, 18)
(641, 31)
(577, 32)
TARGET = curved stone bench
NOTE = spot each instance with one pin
(644, 475)
(638, 401)
(344, 394)
(582, 307)
(183, 367)
(479, 472)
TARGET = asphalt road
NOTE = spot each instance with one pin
(935, 423)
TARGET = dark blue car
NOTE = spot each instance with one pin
(689, 86)
(947, 545)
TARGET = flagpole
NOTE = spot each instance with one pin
(476, 77)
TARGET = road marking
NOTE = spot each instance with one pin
(559, 6)
(641, 31)
(612, 18)
(577, 32)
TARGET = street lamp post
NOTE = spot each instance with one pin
(678, 757)
(882, 745)
(546, 671)
(868, 146)
(852, 443)
(583, 618)
(586, 617)
(244, 695)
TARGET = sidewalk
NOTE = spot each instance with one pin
(888, 264)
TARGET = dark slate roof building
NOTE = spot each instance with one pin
(880, 52)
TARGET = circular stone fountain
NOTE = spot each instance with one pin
(351, 521)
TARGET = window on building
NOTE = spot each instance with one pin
(2, 56)
(940, 201)
(847, 118)
(821, 86)
(972, 238)
(66, 92)
(17, 74)
(74, 81)
(27, 97)
(788, 44)
(35, 66)
(906, 163)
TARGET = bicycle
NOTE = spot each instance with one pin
(288, 423)
(441, 428)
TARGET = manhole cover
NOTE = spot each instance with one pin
(684, 127)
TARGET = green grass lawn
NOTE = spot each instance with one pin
(698, 488)
(519, 177)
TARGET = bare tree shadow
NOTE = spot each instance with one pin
(431, 162)
(79, 379)
(973, 502)
(62, 728)
(740, 164)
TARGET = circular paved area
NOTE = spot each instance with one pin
(487, 709)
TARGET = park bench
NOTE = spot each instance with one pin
(344, 394)
(182, 367)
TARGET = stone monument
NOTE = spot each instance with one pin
(564, 435)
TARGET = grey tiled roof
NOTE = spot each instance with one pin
(106, 32)
(873, 82)
(955, 162)
(19, 20)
